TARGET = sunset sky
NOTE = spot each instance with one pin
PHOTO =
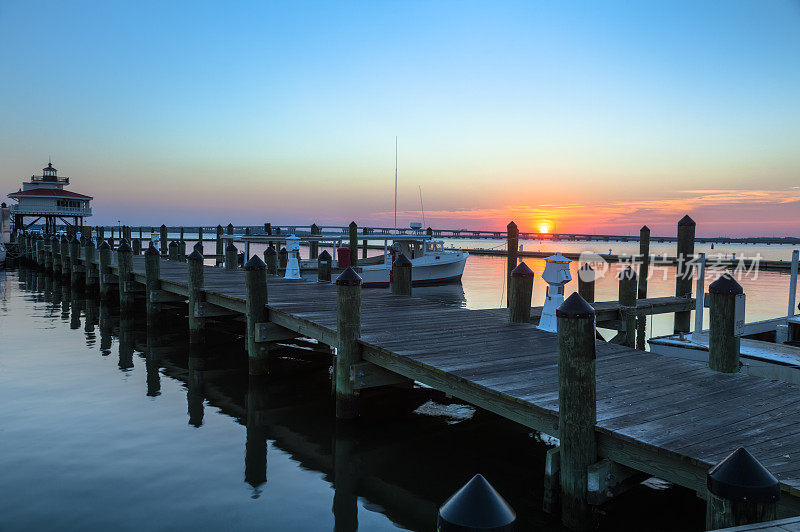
(582, 116)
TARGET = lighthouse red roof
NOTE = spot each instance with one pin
(48, 192)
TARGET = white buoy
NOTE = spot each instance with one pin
(556, 274)
(293, 260)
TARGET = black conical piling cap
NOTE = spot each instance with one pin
(522, 270)
(283, 251)
(575, 307)
(64, 238)
(196, 255)
(231, 246)
(173, 244)
(349, 277)
(511, 226)
(89, 243)
(627, 273)
(644, 229)
(75, 240)
(104, 245)
(152, 249)
(271, 251)
(324, 256)
(353, 224)
(255, 263)
(686, 220)
(476, 506)
(402, 261)
(725, 284)
(740, 477)
(124, 247)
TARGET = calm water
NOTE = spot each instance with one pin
(103, 425)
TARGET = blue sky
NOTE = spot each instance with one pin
(581, 114)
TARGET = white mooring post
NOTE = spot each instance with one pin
(293, 262)
(556, 274)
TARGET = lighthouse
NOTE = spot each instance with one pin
(44, 198)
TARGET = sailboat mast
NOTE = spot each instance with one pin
(422, 206)
(395, 183)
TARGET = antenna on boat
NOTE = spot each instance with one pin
(422, 206)
(395, 183)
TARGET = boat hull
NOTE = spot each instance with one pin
(425, 271)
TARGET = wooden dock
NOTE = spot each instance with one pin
(662, 416)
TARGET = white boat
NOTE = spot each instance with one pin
(431, 264)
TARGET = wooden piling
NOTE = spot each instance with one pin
(182, 250)
(89, 253)
(75, 261)
(353, 244)
(512, 243)
(48, 253)
(104, 267)
(199, 244)
(173, 251)
(313, 247)
(220, 249)
(66, 263)
(324, 266)
(136, 245)
(348, 327)
(271, 260)
(283, 258)
(644, 272)
(401, 276)
(521, 294)
(586, 282)
(40, 252)
(577, 408)
(125, 270)
(231, 256)
(627, 302)
(152, 269)
(196, 324)
(683, 276)
(723, 353)
(741, 492)
(364, 247)
(164, 241)
(255, 279)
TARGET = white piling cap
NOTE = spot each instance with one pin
(558, 257)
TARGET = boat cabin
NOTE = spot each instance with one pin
(413, 248)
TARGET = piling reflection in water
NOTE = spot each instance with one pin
(126, 339)
(345, 481)
(106, 326)
(76, 303)
(255, 457)
(153, 359)
(92, 306)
